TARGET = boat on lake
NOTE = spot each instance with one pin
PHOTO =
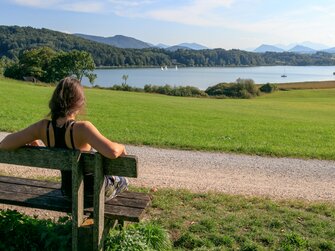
(284, 76)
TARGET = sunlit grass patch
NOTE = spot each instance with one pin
(297, 123)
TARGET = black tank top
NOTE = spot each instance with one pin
(60, 142)
(59, 138)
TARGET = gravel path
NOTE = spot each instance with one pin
(280, 178)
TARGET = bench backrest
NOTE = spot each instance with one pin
(63, 159)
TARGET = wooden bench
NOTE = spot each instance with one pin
(87, 234)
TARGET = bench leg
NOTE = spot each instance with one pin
(77, 204)
(99, 205)
(85, 236)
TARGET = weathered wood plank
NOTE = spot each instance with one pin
(123, 213)
(77, 203)
(40, 157)
(48, 188)
(26, 189)
(62, 205)
(61, 159)
(34, 201)
(123, 166)
(136, 195)
(98, 204)
(29, 182)
(136, 202)
(45, 196)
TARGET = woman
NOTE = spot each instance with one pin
(63, 131)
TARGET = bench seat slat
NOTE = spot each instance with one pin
(46, 195)
(29, 182)
(31, 200)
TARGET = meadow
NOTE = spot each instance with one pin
(194, 221)
(296, 123)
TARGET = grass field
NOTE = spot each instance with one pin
(297, 123)
(227, 222)
(292, 123)
(204, 222)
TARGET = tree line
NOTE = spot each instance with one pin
(14, 40)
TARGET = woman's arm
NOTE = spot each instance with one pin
(23, 137)
(88, 133)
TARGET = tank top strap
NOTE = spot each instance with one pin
(71, 133)
(48, 133)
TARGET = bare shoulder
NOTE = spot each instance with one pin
(43, 123)
(84, 125)
(85, 128)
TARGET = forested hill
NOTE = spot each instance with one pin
(15, 39)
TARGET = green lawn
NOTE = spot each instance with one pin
(210, 221)
(215, 221)
(297, 123)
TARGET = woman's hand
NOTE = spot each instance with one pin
(34, 143)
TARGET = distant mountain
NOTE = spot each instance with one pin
(312, 45)
(124, 42)
(302, 49)
(177, 47)
(162, 46)
(186, 46)
(265, 47)
(193, 46)
(119, 41)
(330, 50)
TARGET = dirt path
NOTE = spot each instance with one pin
(228, 173)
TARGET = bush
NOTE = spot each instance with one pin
(21, 232)
(242, 88)
(125, 87)
(138, 237)
(182, 91)
(268, 88)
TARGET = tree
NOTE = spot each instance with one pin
(91, 77)
(84, 63)
(4, 63)
(125, 77)
(48, 65)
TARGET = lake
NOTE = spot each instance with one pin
(202, 77)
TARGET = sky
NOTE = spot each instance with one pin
(228, 24)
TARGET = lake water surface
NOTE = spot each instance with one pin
(202, 77)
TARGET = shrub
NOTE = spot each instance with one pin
(268, 88)
(182, 91)
(139, 237)
(125, 87)
(21, 232)
(242, 88)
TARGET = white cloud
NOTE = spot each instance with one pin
(197, 12)
(88, 7)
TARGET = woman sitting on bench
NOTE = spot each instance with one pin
(63, 131)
